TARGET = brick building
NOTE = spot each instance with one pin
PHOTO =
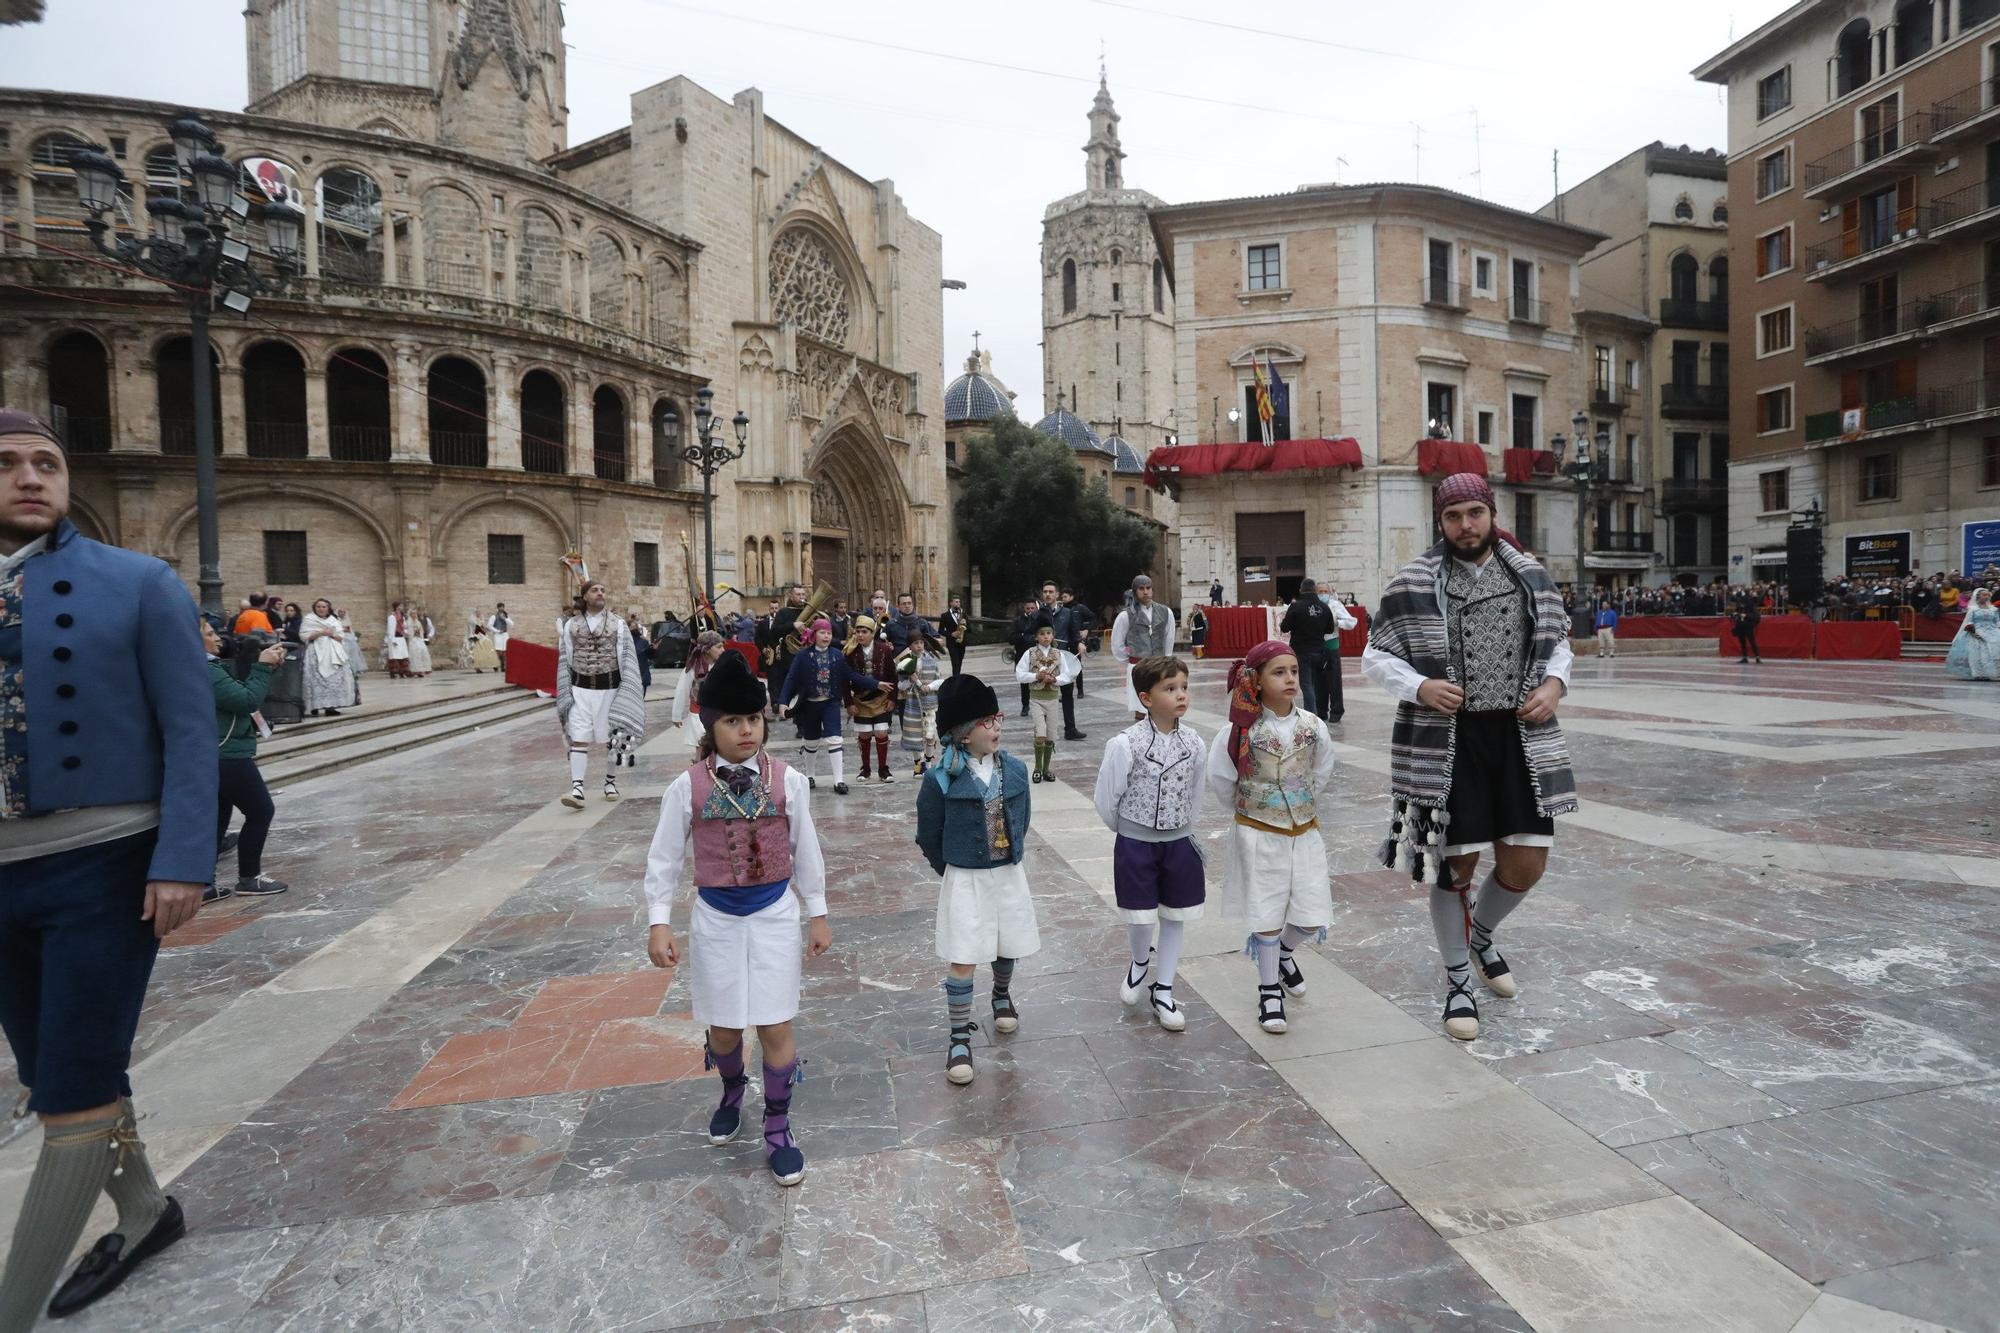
(471, 370)
(1864, 179)
(1384, 308)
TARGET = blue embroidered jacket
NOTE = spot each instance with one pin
(951, 816)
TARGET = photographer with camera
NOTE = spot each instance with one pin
(241, 784)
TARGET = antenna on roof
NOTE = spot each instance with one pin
(1338, 163)
(1478, 159)
(1417, 173)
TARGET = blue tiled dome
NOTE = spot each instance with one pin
(1063, 424)
(975, 396)
(1128, 459)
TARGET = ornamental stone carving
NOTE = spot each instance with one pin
(807, 289)
(756, 354)
(828, 509)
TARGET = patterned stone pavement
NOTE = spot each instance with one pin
(1750, 1082)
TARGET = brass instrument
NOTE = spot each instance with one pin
(822, 593)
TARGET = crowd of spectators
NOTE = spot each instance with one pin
(1841, 598)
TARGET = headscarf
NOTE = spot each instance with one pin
(1245, 705)
(1459, 488)
(703, 641)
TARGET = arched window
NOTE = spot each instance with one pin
(1718, 280)
(357, 406)
(807, 287)
(1916, 24)
(457, 413)
(1069, 286)
(274, 401)
(350, 226)
(173, 379)
(1852, 58)
(669, 309)
(607, 280)
(1159, 287)
(666, 452)
(538, 258)
(454, 248)
(607, 433)
(59, 214)
(1684, 209)
(1683, 277)
(544, 426)
(1720, 214)
(1117, 256)
(80, 392)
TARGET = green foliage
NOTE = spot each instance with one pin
(1027, 515)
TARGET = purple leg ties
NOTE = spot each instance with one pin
(730, 1067)
(778, 1080)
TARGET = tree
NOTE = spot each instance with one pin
(1026, 514)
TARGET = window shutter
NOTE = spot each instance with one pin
(1906, 377)
(1763, 248)
(1850, 229)
(1906, 203)
(1850, 389)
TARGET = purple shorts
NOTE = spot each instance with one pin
(1157, 879)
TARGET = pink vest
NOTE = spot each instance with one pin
(740, 841)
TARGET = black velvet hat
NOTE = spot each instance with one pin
(729, 690)
(962, 699)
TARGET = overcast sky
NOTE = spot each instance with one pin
(977, 112)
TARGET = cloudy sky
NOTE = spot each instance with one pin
(977, 111)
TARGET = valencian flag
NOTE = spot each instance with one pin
(1263, 401)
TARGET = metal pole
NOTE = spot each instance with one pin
(708, 524)
(1582, 503)
(210, 578)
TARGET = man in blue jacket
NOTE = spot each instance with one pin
(107, 835)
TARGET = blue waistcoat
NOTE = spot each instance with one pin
(951, 820)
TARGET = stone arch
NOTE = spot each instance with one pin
(666, 285)
(173, 373)
(1069, 286)
(274, 398)
(819, 285)
(350, 220)
(539, 251)
(455, 250)
(1257, 351)
(89, 522)
(461, 542)
(863, 476)
(79, 382)
(607, 280)
(442, 530)
(338, 532)
(384, 125)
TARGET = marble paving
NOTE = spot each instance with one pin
(1750, 1082)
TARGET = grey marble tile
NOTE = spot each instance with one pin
(1019, 1086)
(1156, 1072)
(890, 1314)
(1960, 1290)
(1126, 1187)
(1384, 1271)
(1113, 1297)
(1549, 1014)
(207, 1281)
(1626, 1092)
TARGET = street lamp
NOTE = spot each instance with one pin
(1582, 471)
(188, 248)
(709, 452)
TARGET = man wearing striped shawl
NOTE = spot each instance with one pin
(1473, 642)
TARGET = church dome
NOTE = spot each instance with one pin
(1063, 424)
(1127, 457)
(975, 396)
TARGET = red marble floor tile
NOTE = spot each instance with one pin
(490, 1066)
(209, 925)
(578, 1001)
(629, 1051)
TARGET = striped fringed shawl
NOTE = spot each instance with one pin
(1411, 625)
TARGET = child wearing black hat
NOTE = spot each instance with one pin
(972, 824)
(747, 819)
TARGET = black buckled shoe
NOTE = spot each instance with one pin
(1289, 976)
(1271, 1008)
(109, 1263)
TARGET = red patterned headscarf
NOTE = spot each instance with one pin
(1244, 703)
(1459, 488)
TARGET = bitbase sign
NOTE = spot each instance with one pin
(1979, 547)
(1879, 555)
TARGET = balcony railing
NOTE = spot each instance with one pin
(1912, 316)
(358, 444)
(1622, 542)
(1521, 310)
(458, 448)
(609, 466)
(1854, 244)
(446, 275)
(1447, 295)
(275, 439)
(539, 455)
(177, 437)
(1880, 415)
(1679, 493)
(1618, 473)
(1963, 204)
(1682, 313)
(1951, 112)
(1694, 399)
(536, 292)
(1911, 132)
(87, 435)
(1611, 397)
(1955, 400)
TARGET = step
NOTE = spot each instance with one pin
(299, 737)
(1923, 651)
(320, 760)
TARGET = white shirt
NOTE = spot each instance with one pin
(1116, 769)
(1069, 670)
(669, 852)
(1222, 765)
(982, 768)
(1402, 680)
(1122, 626)
(26, 549)
(1342, 617)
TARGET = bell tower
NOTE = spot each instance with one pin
(1104, 167)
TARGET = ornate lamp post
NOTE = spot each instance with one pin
(709, 451)
(189, 249)
(1582, 471)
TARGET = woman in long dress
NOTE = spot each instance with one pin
(421, 633)
(329, 677)
(702, 655)
(1975, 649)
(357, 661)
(482, 656)
(919, 669)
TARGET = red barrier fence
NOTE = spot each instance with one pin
(1858, 640)
(1939, 629)
(1777, 636)
(531, 665)
(1235, 630)
(1661, 627)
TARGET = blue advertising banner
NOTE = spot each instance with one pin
(1981, 547)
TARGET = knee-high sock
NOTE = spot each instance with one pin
(1170, 951)
(1140, 936)
(1448, 920)
(1267, 960)
(728, 1066)
(133, 1186)
(958, 1002)
(579, 765)
(862, 742)
(809, 753)
(1003, 975)
(778, 1080)
(1490, 907)
(75, 1163)
(882, 753)
(1291, 937)
(838, 756)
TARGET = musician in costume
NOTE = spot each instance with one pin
(597, 690)
(871, 706)
(815, 690)
(1143, 629)
(952, 626)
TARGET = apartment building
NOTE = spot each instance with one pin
(1663, 270)
(1864, 179)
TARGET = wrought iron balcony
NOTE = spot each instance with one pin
(1679, 494)
(1694, 400)
(1863, 248)
(1872, 157)
(1967, 111)
(1447, 295)
(1622, 542)
(1682, 313)
(458, 448)
(1521, 310)
(1611, 398)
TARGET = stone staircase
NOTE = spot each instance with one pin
(318, 746)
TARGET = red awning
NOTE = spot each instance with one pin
(1181, 461)
(1446, 457)
(1527, 464)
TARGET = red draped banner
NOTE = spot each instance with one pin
(531, 665)
(1202, 460)
(1446, 457)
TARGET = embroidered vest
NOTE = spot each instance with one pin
(1146, 638)
(1278, 789)
(1045, 659)
(593, 653)
(1159, 787)
(878, 661)
(740, 841)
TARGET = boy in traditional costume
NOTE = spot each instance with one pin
(1043, 670)
(815, 687)
(871, 693)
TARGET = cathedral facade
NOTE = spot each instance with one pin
(473, 364)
